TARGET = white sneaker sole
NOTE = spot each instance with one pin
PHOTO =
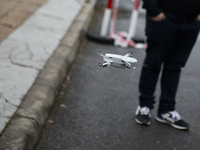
(173, 125)
(139, 122)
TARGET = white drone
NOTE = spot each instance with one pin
(118, 61)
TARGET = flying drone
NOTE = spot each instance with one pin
(118, 61)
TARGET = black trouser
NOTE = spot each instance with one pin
(169, 46)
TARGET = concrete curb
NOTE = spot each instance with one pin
(25, 127)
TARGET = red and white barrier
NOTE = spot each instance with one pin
(122, 39)
(125, 39)
(134, 19)
(106, 19)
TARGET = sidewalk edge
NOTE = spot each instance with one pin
(25, 127)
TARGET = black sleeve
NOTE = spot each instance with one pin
(152, 7)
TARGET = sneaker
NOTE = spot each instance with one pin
(143, 115)
(174, 119)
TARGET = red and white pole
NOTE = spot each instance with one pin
(106, 19)
(134, 19)
(114, 18)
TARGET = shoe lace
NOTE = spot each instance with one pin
(145, 111)
(175, 115)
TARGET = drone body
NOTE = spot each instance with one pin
(118, 61)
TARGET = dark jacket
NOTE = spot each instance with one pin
(180, 11)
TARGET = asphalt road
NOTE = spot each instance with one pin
(96, 107)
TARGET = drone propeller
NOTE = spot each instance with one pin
(129, 54)
(101, 54)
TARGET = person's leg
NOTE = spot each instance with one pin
(176, 59)
(160, 38)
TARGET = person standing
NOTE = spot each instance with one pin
(172, 28)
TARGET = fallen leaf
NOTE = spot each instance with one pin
(64, 86)
(63, 106)
(68, 78)
(50, 121)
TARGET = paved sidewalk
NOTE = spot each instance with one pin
(14, 12)
(39, 41)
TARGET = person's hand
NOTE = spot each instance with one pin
(198, 18)
(159, 17)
